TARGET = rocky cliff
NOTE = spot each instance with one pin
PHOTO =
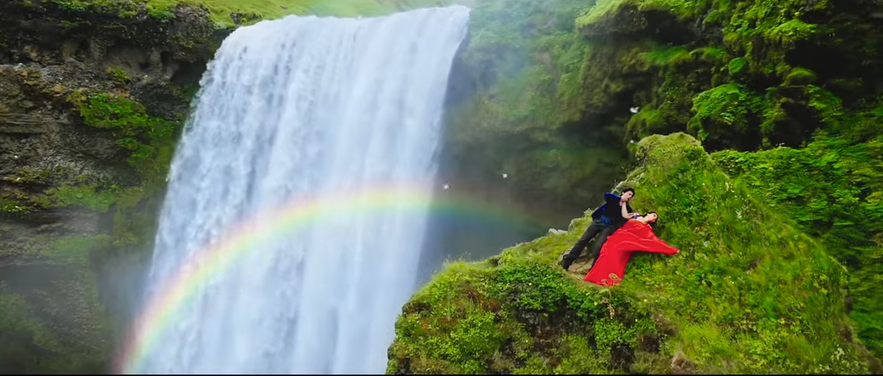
(570, 86)
(93, 96)
(788, 98)
(748, 293)
(92, 102)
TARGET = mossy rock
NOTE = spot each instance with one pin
(800, 76)
(833, 190)
(635, 19)
(52, 320)
(748, 293)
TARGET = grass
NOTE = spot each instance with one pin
(831, 190)
(749, 293)
(269, 9)
(221, 12)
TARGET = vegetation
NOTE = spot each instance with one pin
(229, 13)
(832, 190)
(748, 293)
(762, 86)
(799, 135)
(136, 131)
(54, 323)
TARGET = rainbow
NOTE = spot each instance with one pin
(163, 305)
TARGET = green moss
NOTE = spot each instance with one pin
(484, 309)
(749, 293)
(828, 107)
(605, 10)
(17, 316)
(787, 34)
(115, 112)
(667, 55)
(759, 41)
(832, 190)
(736, 65)
(148, 138)
(800, 76)
(229, 13)
(74, 249)
(34, 176)
(90, 197)
(118, 76)
(722, 114)
(15, 204)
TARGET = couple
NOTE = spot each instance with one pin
(622, 232)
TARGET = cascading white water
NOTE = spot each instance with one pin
(294, 108)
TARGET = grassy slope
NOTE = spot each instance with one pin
(833, 190)
(748, 293)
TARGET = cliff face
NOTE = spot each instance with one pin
(90, 107)
(749, 79)
(748, 293)
(550, 105)
(787, 94)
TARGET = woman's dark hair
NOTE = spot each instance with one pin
(655, 223)
(628, 189)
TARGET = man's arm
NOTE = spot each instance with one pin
(625, 211)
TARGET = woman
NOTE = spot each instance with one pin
(635, 235)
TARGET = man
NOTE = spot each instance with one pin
(605, 220)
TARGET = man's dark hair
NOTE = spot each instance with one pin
(628, 189)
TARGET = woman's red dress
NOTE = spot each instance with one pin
(633, 236)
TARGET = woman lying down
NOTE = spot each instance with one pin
(635, 235)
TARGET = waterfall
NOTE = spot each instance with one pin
(294, 108)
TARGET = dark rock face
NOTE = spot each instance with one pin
(72, 201)
(47, 53)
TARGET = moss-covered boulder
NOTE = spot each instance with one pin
(748, 293)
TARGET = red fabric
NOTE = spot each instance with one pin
(633, 236)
